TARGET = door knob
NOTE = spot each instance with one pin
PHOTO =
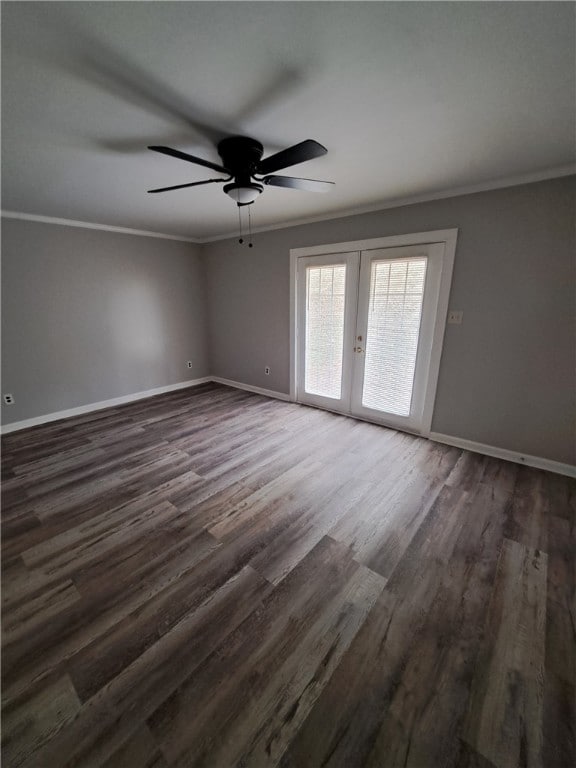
(358, 349)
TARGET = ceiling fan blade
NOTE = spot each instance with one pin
(81, 53)
(192, 184)
(308, 185)
(275, 92)
(189, 158)
(299, 153)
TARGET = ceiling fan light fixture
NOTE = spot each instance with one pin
(243, 194)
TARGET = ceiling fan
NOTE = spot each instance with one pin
(242, 163)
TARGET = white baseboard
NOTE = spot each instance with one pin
(18, 425)
(457, 442)
(503, 453)
(250, 388)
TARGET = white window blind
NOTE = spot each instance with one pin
(325, 288)
(395, 308)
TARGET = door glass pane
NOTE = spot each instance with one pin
(325, 288)
(395, 308)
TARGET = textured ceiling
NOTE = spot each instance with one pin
(409, 98)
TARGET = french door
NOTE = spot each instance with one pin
(365, 328)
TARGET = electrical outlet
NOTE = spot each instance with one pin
(189, 363)
(267, 370)
(455, 317)
(9, 399)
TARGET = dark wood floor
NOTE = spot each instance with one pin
(213, 578)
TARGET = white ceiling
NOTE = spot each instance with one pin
(410, 99)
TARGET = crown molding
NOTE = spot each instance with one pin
(91, 225)
(511, 181)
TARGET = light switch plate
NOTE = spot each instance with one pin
(455, 317)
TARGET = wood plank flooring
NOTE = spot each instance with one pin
(213, 578)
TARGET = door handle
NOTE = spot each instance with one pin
(358, 349)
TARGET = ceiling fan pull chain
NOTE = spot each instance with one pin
(249, 229)
(241, 240)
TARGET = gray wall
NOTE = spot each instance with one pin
(89, 315)
(507, 376)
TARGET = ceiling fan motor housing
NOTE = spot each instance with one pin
(240, 155)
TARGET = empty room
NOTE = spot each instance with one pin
(288, 384)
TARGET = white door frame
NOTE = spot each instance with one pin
(448, 238)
